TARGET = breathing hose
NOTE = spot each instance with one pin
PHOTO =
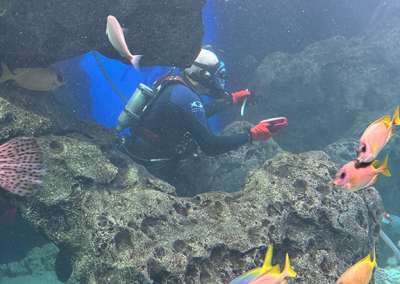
(105, 73)
(389, 242)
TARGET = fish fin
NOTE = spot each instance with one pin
(373, 263)
(135, 61)
(374, 148)
(386, 120)
(375, 164)
(125, 30)
(384, 168)
(7, 75)
(353, 181)
(21, 166)
(276, 270)
(392, 132)
(290, 271)
(268, 259)
(373, 180)
(396, 119)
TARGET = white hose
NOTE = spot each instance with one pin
(391, 245)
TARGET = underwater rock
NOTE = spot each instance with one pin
(225, 172)
(138, 233)
(41, 33)
(323, 89)
(119, 224)
(36, 263)
(388, 275)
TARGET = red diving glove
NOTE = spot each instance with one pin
(240, 96)
(260, 132)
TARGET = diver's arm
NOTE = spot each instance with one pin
(218, 106)
(212, 144)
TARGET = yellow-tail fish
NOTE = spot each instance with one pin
(375, 137)
(359, 273)
(252, 274)
(354, 175)
(37, 79)
(274, 275)
(116, 36)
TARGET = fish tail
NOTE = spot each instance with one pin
(268, 258)
(383, 168)
(396, 119)
(289, 271)
(135, 61)
(7, 75)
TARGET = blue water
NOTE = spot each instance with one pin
(90, 95)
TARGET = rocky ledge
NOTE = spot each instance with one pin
(118, 224)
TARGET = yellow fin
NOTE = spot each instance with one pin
(384, 168)
(268, 259)
(276, 270)
(396, 119)
(392, 132)
(353, 181)
(386, 120)
(291, 272)
(375, 164)
(374, 148)
(7, 75)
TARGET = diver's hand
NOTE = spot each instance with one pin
(260, 132)
(239, 97)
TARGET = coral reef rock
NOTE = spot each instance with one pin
(323, 89)
(118, 224)
(41, 33)
(139, 233)
(388, 275)
(225, 172)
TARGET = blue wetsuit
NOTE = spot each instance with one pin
(178, 118)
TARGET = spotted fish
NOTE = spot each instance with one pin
(21, 166)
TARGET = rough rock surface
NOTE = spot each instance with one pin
(39, 33)
(225, 172)
(135, 233)
(323, 89)
(119, 224)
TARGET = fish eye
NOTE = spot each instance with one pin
(342, 175)
(60, 78)
(363, 149)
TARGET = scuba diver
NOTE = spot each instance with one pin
(175, 124)
(392, 221)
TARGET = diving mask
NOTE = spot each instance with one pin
(212, 77)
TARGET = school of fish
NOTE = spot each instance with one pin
(364, 171)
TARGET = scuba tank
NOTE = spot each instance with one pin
(136, 106)
(141, 99)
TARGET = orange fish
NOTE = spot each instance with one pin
(375, 137)
(116, 36)
(359, 273)
(274, 275)
(354, 175)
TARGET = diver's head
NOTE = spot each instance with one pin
(208, 73)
